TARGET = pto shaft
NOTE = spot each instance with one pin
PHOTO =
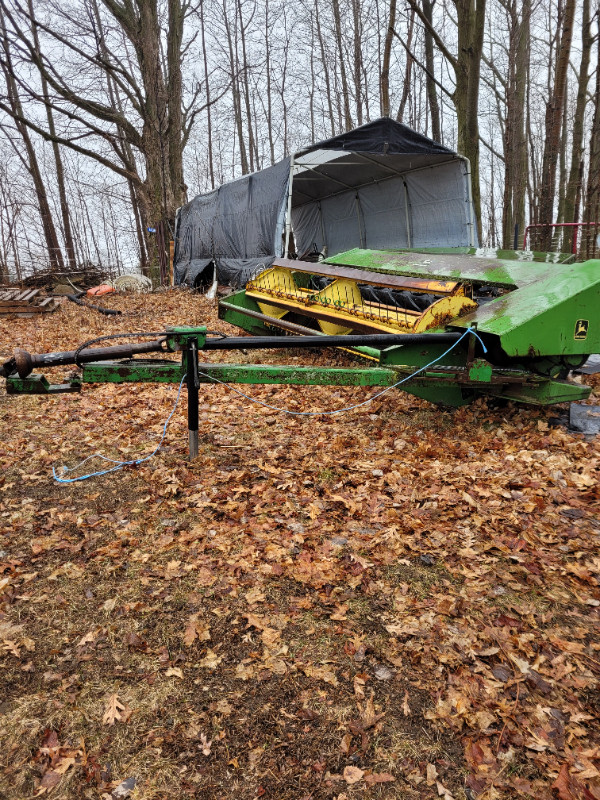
(24, 363)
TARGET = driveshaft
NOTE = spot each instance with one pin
(23, 363)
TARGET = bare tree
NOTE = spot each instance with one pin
(466, 66)
(572, 199)
(592, 195)
(155, 124)
(30, 161)
(553, 124)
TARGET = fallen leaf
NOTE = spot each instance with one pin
(174, 672)
(210, 661)
(223, 707)
(320, 673)
(431, 774)
(49, 780)
(115, 711)
(383, 673)
(255, 595)
(205, 744)
(196, 629)
(379, 777)
(353, 775)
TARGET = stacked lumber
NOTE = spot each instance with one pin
(25, 302)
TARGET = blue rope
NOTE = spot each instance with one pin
(118, 464)
(358, 405)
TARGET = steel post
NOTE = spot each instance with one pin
(193, 384)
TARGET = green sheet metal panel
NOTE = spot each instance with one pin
(450, 266)
(559, 314)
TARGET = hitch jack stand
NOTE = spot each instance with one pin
(193, 384)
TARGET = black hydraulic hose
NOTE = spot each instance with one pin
(109, 312)
(378, 340)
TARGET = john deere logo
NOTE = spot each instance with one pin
(581, 328)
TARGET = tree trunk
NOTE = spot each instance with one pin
(432, 98)
(60, 173)
(562, 162)
(269, 96)
(553, 126)
(325, 70)
(571, 206)
(592, 195)
(209, 133)
(515, 135)
(55, 256)
(338, 37)
(246, 89)
(471, 22)
(408, 69)
(357, 61)
(384, 80)
(235, 92)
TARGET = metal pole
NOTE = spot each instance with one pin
(318, 340)
(470, 210)
(193, 384)
(407, 214)
(288, 216)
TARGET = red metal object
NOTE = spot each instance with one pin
(560, 225)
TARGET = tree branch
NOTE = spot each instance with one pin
(420, 64)
(125, 173)
(436, 37)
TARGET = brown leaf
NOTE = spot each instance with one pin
(353, 775)
(369, 716)
(568, 787)
(379, 777)
(48, 782)
(115, 711)
(174, 672)
(431, 774)
(195, 629)
(210, 661)
(320, 673)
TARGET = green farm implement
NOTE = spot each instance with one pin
(445, 327)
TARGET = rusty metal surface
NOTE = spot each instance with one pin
(391, 281)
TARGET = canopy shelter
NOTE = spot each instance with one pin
(381, 185)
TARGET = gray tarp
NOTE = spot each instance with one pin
(426, 207)
(379, 186)
(238, 226)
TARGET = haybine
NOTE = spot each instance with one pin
(446, 327)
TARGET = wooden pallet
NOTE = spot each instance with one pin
(25, 303)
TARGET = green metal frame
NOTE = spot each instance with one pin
(455, 379)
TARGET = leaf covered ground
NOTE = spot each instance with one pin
(397, 602)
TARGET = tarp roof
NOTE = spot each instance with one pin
(383, 135)
(368, 154)
(239, 226)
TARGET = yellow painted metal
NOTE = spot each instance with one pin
(339, 294)
(443, 311)
(276, 281)
(339, 307)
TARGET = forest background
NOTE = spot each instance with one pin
(113, 113)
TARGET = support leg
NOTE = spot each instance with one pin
(193, 384)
